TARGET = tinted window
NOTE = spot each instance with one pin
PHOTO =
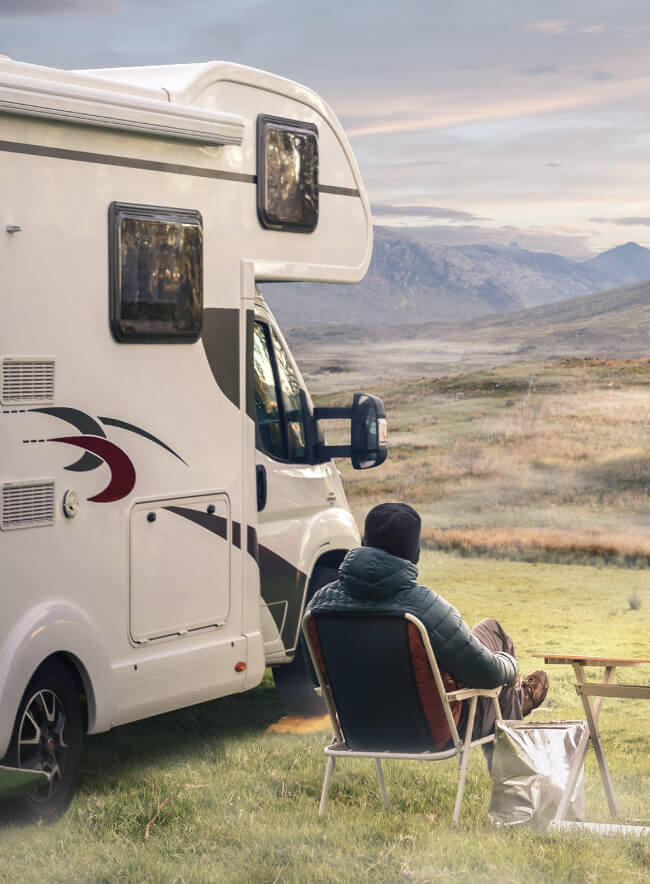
(287, 174)
(267, 410)
(156, 273)
(291, 401)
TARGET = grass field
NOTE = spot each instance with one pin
(533, 481)
(535, 460)
(238, 804)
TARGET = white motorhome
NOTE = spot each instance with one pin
(168, 501)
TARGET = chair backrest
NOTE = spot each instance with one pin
(365, 661)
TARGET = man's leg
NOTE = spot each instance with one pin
(493, 636)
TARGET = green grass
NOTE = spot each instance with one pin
(243, 803)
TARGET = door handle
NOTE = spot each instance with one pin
(260, 474)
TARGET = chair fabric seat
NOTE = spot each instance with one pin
(386, 694)
(429, 693)
(411, 668)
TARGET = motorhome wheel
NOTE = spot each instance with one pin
(48, 735)
(294, 681)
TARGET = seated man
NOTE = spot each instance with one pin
(381, 575)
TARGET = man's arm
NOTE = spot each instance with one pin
(461, 653)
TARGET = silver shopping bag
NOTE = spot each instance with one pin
(530, 771)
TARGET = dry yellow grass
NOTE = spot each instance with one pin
(532, 460)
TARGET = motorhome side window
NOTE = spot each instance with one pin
(156, 262)
(277, 398)
(287, 174)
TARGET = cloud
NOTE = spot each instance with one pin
(593, 29)
(601, 75)
(537, 69)
(446, 118)
(553, 165)
(20, 8)
(426, 212)
(632, 221)
(550, 26)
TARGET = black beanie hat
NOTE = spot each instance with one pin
(395, 528)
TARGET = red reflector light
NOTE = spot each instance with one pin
(239, 667)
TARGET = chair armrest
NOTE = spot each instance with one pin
(467, 693)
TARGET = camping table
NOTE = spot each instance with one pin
(586, 690)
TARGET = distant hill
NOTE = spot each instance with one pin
(610, 324)
(630, 263)
(410, 281)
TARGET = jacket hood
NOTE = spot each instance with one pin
(371, 573)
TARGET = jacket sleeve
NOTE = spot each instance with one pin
(461, 653)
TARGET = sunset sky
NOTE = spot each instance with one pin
(493, 120)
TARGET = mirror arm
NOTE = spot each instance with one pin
(324, 414)
(327, 451)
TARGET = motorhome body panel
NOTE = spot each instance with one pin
(134, 429)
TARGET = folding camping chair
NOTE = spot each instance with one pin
(381, 699)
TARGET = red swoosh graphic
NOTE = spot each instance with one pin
(122, 470)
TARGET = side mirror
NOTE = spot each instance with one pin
(369, 432)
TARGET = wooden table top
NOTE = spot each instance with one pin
(587, 660)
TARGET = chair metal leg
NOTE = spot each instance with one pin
(382, 784)
(331, 762)
(464, 761)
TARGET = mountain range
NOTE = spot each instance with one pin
(613, 324)
(413, 280)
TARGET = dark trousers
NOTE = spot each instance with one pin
(493, 636)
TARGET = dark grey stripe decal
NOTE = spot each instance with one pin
(114, 422)
(218, 525)
(86, 425)
(280, 580)
(340, 191)
(83, 156)
(103, 159)
(220, 338)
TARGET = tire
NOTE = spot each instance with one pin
(295, 682)
(47, 735)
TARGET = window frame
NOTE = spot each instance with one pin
(116, 212)
(299, 127)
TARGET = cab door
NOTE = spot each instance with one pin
(293, 521)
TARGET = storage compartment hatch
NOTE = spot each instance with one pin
(180, 566)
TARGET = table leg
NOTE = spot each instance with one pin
(583, 745)
(592, 719)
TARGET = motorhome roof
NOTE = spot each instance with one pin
(184, 83)
(84, 96)
(119, 102)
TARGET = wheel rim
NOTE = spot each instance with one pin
(41, 741)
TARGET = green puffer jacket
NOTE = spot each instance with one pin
(373, 580)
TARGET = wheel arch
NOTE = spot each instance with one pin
(330, 559)
(55, 631)
(82, 682)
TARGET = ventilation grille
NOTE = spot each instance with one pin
(27, 381)
(27, 505)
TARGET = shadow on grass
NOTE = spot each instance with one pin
(184, 732)
(206, 728)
